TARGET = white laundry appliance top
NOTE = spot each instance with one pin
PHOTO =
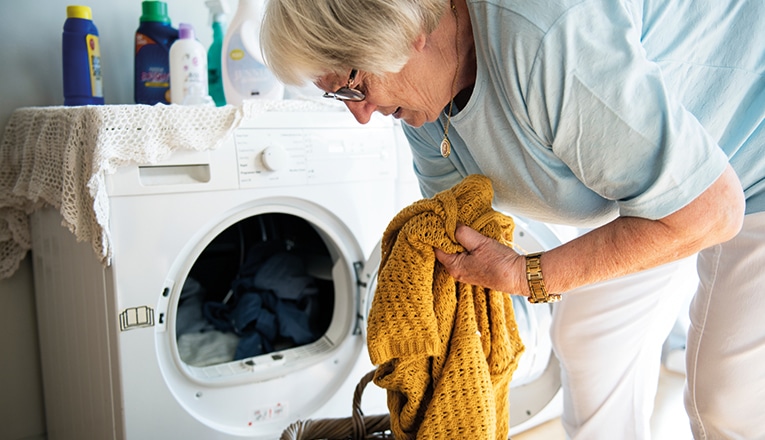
(59, 156)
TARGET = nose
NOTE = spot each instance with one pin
(361, 110)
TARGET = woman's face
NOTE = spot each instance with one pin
(417, 94)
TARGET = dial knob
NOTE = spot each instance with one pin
(274, 158)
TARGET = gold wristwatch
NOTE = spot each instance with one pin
(538, 292)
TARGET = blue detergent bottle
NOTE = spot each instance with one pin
(81, 54)
(153, 39)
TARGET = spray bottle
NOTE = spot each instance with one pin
(218, 11)
(245, 75)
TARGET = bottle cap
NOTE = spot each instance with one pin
(154, 11)
(185, 30)
(75, 11)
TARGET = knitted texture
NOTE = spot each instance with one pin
(445, 350)
(59, 156)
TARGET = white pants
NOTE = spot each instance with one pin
(725, 355)
(608, 337)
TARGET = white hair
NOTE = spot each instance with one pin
(302, 40)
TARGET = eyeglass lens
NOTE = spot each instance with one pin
(348, 93)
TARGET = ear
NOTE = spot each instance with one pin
(420, 42)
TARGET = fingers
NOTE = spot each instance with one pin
(486, 262)
(468, 237)
(448, 260)
(444, 258)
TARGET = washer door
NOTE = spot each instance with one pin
(368, 282)
(536, 382)
(257, 320)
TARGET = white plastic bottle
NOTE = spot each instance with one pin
(244, 74)
(188, 69)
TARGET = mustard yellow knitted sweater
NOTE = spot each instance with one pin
(445, 350)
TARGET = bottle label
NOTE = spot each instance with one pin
(188, 73)
(94, 60)
(142, 40)
(152, 70)
(193, 72)
(248, 77)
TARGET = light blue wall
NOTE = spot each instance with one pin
(30, 75)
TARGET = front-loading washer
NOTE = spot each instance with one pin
(231, 304)
(123, 352)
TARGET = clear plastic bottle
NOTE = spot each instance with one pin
(245, 76)
(81, 55)
(188, 69)
(153, 39)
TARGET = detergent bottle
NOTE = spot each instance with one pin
(153, 39)
(218, 15)
(188, 69)
(245, 75)
(81, 54)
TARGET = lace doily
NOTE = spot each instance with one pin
(58, 156)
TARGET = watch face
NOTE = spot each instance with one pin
(537, 291)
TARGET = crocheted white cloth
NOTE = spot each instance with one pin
(59, 156)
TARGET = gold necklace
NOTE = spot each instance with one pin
(446, 146)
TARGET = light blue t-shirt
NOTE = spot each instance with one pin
(584, 110)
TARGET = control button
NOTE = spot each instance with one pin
(274, 158)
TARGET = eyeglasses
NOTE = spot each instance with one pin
(348, 93)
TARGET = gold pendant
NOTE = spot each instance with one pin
(446, 148)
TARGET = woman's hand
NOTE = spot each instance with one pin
(486, 263)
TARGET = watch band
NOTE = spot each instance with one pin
(537, 291)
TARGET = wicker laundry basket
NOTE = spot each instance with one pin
(356, 427)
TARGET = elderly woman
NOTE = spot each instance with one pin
(639, 120)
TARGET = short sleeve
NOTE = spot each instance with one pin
(609, 116)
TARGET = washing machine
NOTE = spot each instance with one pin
(235, 297)
(231, 305)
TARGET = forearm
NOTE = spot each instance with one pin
(626, 245)
(630, 244)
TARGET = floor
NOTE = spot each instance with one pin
(669, 421)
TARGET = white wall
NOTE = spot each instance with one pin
(30, 75)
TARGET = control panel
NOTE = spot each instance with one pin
(315, 155)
